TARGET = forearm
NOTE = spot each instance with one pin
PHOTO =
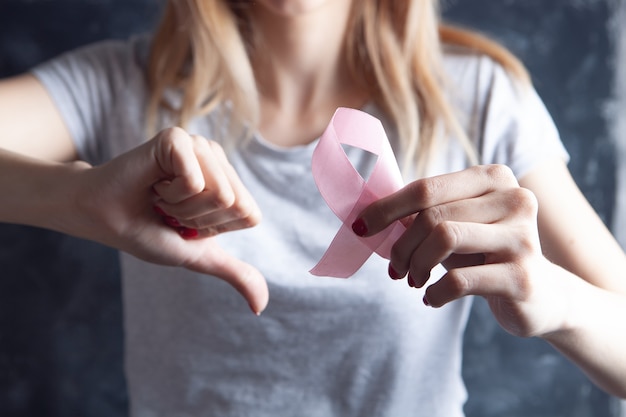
(36, 192)
(594, 334)
(114, 204)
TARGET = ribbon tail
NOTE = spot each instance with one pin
(347, 193)
(345, 255)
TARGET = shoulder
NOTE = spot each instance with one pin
(100, 90)
(504, 117)
(108, 60)
(472, 77)
(133, 51)
(481, 89)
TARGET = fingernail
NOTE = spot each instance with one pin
(256, 313)
(359, 227)
(425, 300)
(409, 280)
(393, 273)
(171, 221)
(188, 233)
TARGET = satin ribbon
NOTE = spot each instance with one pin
(347, 193)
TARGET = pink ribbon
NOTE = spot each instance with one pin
(347, 193)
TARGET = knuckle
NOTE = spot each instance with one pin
(173, 139)
(524, 201)
(458, 283)
(431, 217)
(199, 143)
(245, 212)
(500, 174)
(173, 133)
(448, 234)
(527, 243)
(211, 231)
(242, 208)
(199, 139)
(170, 139)
(215, 147)
(192, 184)
(193, 224)
(252, 219)
(426, 190)
(220, 228)
(221, 198)
(249, 222)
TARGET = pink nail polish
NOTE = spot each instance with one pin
(359, 227)
(188, 233)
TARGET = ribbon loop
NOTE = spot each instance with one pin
(347, 193)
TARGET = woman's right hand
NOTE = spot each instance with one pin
(164, 201)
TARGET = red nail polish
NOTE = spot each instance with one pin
(171, 221)
(425, 300)
(409, 280)
(393, 273)
(359, 227)
(188, 233)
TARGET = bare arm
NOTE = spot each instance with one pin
(573, 236)
(30, 122)
(34, 144)
(185, 178)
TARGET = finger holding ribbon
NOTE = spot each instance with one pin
(347, 193)
(478, 222)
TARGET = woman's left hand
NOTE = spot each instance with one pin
(482, 226)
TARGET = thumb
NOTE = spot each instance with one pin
(246, 279)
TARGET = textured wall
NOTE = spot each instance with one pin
(617, 115)
(60, 306)
(60, 312)
(570, 48)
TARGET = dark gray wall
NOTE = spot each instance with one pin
(60, 309)
(569, 48)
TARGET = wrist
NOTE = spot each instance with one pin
(36, 192)
(577, 298)
(62, 199)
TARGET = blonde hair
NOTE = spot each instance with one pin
(203, 48)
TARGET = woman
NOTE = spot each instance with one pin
(262, 80)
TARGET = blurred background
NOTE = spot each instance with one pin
(60, 308)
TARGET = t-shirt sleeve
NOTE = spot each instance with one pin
(86, 85)
(517, 129)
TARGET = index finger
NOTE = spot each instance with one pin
(430, 192)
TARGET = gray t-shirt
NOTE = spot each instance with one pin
(364, 346)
